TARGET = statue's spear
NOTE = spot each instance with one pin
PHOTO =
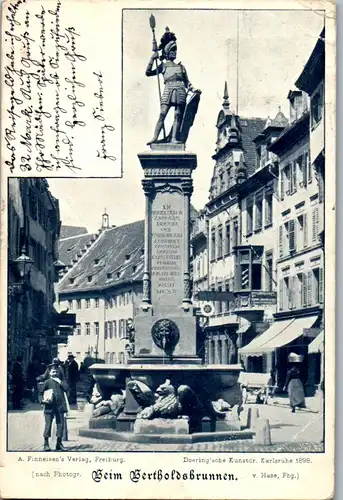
(152, 22)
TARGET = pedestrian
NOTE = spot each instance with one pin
(295, 388)
(72, 376)
(17, 384)
(54, 399)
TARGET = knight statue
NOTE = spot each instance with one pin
(178, 91)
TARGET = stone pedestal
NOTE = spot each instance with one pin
(161, 426)
(165, 325)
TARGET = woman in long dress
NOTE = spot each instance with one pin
(295, 388)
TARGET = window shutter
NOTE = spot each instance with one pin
(280, 241)
(281, 295)
(304, 290)
(304, 169)
(309, 288)
(321, 286)
(294, 176)
(293, 292)
(291, 235)
(305, 230)
(309, 167)
(315, 221)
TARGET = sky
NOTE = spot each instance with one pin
(273, 49)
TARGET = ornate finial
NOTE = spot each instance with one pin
(226, 103)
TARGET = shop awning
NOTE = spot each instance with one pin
(317, 345)
(278, 335)
(256, 346)
(244, 328)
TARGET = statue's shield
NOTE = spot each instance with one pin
(191, 109)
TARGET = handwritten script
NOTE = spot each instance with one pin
(54, 101)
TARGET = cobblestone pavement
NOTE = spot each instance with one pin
(299, 432)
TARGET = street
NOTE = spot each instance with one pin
(290, 432)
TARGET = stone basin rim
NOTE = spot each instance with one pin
(166, 367)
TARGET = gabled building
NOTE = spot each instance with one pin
(103, 287)
(236, 160)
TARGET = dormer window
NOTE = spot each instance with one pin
(109, 276)
(89, 279)
(127, 256)
(134, 269)
(96, 261)
(71, 280)
(118, 274)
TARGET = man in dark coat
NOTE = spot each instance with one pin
(55, 408)
(72, 376)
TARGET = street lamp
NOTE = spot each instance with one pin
(22, 266)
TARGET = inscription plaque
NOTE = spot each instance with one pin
(167, 256)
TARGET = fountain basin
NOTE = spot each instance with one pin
(209, 381)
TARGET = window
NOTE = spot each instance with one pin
(317, 282)
(96, 303)
(316, 108)
(110, 302)
(249, 268)
(258, 213)
(301, 231)
(110, 329)
(78, 329)
(227, 241)
(88, 328)
(111, 358)
(88, 303)
(114, 329)
(213, 244)
(268, 208)
(287, 294)
(107, 357)
(235, 238)
(89, 279)
(220, 242)
(121, 328)
(219, 302)
(269, 283)
(114, 357)
(302, 167)
(315, 225)
(78, 304)
(105, 330)
(121, 358)
(249, 222)
(70, 305)
(96, 327)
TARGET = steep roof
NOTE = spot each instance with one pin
(250, 128)
(116, 256)
(69, 231)
(69, 248)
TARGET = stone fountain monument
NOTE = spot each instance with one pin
(165, 393)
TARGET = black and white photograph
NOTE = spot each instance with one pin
(181, 308)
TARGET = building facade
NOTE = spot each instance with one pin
(33, 231)
(262, 233)
(102, 285)
(298, 319)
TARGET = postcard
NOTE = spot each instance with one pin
(168, 249)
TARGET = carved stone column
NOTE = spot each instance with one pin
(187, 187)
(148, 188)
